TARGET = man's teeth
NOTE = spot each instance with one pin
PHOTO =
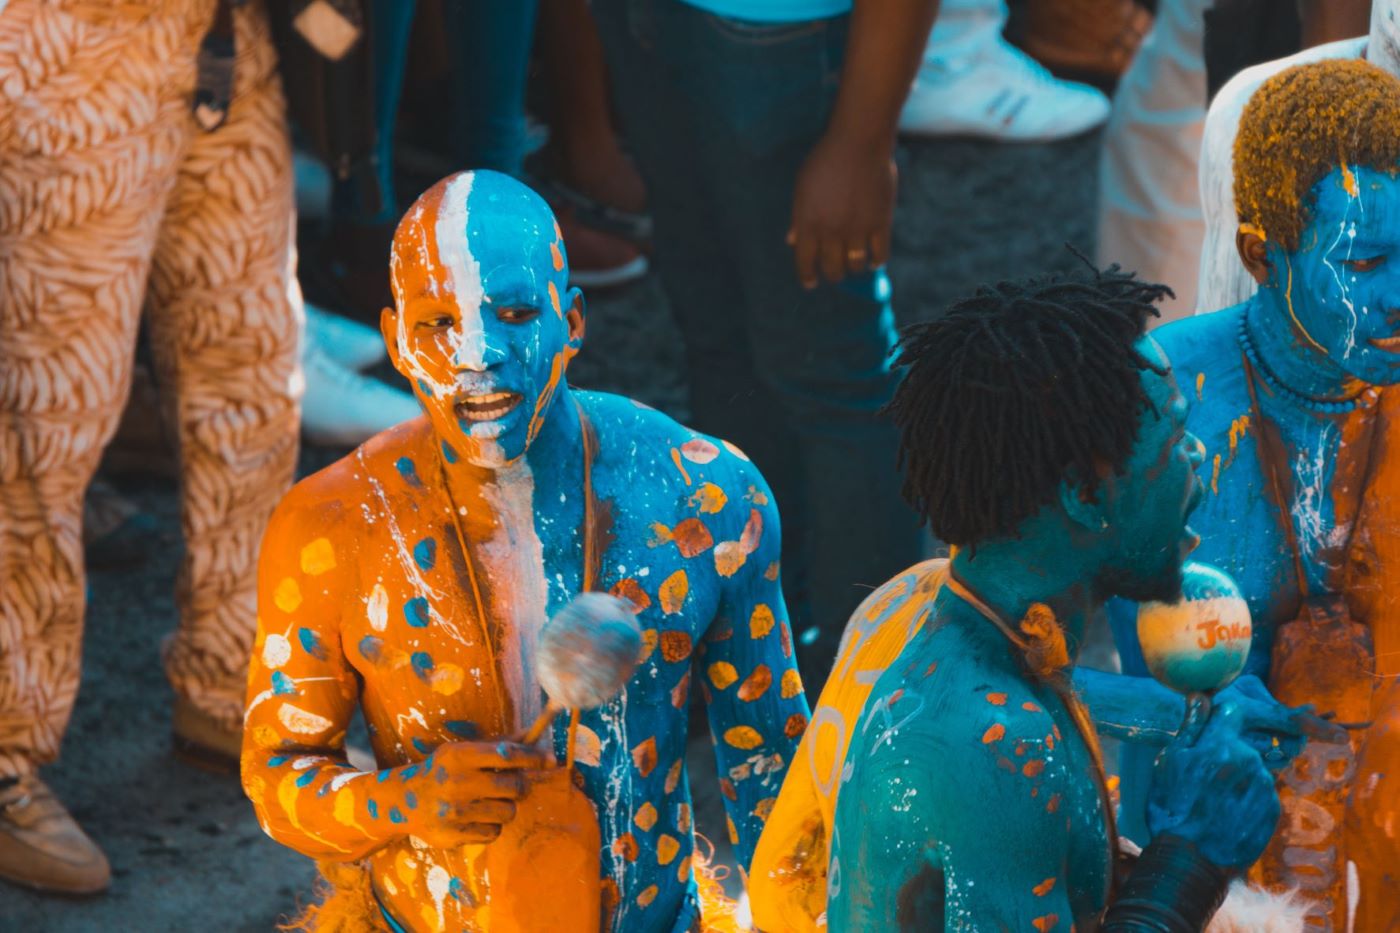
(488, 406)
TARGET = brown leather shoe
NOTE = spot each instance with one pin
(203, 741)
(43, 847)
(1084, 40)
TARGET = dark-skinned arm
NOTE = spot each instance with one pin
(843, 205)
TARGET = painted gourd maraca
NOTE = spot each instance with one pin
(1200, 644)
(588, 650)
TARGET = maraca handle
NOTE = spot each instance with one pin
(541, 723)
(1198, 710)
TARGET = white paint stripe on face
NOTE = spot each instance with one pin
(468, 338)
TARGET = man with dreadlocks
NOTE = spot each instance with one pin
(1294, 401)
(1044, 437)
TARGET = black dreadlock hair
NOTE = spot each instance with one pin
(1016, 389)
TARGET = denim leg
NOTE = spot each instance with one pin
(690, 255)
(391, 22)
(744, 104)
(490, 42)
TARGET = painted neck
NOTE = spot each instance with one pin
(553, 457)
(1288, 356)
(1012, 574)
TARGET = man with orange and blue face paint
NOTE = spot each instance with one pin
(1294, 397)
(411, 580)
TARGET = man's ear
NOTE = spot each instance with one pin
(1084, 508)
(1253, 248)
(574, 318)
(389, 330)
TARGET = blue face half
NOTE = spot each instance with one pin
(1340, 289)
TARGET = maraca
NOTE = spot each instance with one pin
(1198, 645)
(585, 655)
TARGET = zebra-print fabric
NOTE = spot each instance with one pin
(111, 198)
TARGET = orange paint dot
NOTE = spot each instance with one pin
(557, 256)
(626, 846)
(760, 621)
(647, 896)
(1045, 923)
(744, 737)
(646, 816)
(996, 699)
(666, 849)
(673, 776)
(692, 537)
(795, 726)
(675, 646)
(994, 733)
(1030, 707)
(676, 459)
(644, 756)
(931, 668)
(791, 683)
(631, 591)
(1053, 803)
(1033, 768)
(757, 684)
(672, 594)
(554, 301)
(722, 674)
(680, 694)
(1044, 888)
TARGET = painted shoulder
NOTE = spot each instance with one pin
(635, 434)
(331, 496)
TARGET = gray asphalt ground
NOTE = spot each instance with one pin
(186, 851)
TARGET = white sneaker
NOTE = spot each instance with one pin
(349, 343)
(341, 408)
(999, 93)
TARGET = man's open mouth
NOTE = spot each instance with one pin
(1388, 344)
(487, 407)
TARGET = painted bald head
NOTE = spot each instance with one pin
(485, 322)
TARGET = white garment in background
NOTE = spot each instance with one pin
(1149, 208)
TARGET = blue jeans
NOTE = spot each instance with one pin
(489, 44)
(720, 115)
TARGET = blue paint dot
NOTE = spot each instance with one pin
(457, 889)
(325, 789)
(383, 776)
(463, 728)
(311, 643)
(406, 773)
(371, 648)
(444, 808)
(307, 778)
(422, 746)
(410, 800)
(408, 471)
(425, 553)
(276, 761)
(282, 684)
(415, 612)
(395, 816)
(422, 664)
(425, 388)
(448, 453)
(373, 809)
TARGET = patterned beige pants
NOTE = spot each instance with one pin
(112, 198)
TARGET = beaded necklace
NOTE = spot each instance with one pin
(1364, 398)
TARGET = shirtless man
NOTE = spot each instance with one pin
(1293, 396)
(410, 580)
(1044, 437)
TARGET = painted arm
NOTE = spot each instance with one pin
(934, 831)
(749, 677)
(301, 695)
